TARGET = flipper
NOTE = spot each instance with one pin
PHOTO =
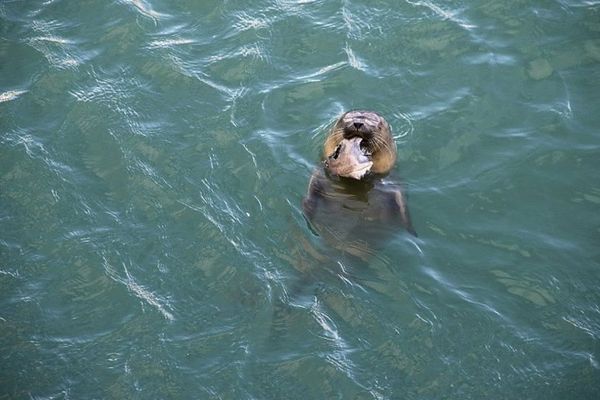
(402, 210)
(314, 196)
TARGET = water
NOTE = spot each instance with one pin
(154, 155)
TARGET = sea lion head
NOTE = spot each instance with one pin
(360, 143)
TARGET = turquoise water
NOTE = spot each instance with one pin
(154, 156)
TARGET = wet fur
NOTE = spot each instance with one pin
(381, 203)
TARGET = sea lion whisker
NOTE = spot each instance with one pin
(379, 144)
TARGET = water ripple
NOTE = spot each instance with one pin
(232, 221)
(145, 8)
(353, 60)
(339, 357)
(465, 295)
(245, 21)
(451, 15)
(315, 75)
(194, 69)
(60, 51)
(169, 43)
(11, 95)
(147, 296)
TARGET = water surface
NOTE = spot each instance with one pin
(153, 159)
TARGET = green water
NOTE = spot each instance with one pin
(154, 156)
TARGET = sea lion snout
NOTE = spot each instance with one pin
(361, 123)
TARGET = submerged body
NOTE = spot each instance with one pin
(347, 201)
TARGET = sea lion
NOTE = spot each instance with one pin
(347, 199)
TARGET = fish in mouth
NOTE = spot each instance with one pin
(350, 159)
